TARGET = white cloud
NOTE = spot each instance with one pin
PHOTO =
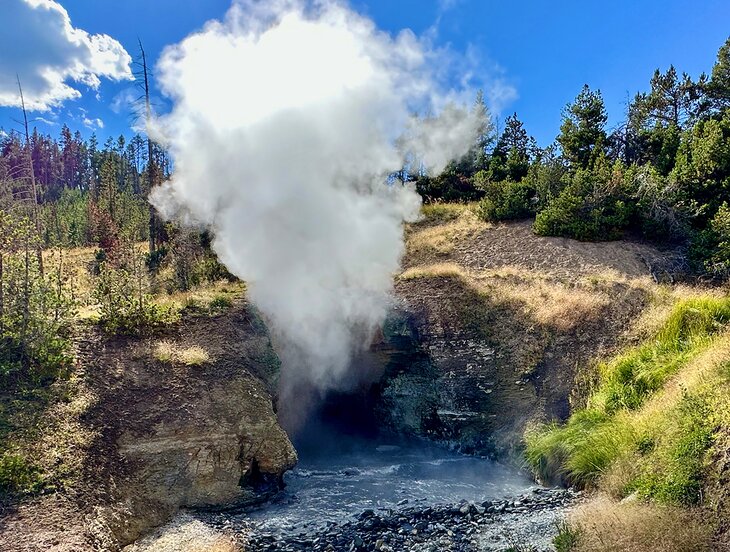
(446, 5)
(125, 101)
(476, 70)
(40, 45)
(92, 123)
(46, 121)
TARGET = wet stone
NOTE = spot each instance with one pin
(450, 527)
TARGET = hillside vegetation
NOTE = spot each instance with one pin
(507, 317)
(642, 368)
(662, 174)
(654, 426)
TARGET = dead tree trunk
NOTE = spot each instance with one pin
(33, 189)
(151, 163)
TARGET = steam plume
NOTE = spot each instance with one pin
(285, 123)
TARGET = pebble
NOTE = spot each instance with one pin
(450, 527)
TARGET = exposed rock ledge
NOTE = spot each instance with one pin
(166, 436)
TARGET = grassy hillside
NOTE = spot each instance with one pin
(646, 366)
(653, 433)
(508, 316)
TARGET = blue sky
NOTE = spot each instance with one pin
(544, 51)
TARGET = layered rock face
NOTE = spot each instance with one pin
(179, 419)
(179, 435)
(492, 323)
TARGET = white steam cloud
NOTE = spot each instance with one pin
(284, 128)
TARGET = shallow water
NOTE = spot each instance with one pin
(339, 478)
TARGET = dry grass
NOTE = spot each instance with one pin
(551, 303)
(444, 212)
(442, 238)
(202, 295)
(76, 265)
(167, 351)
(436, 270)
(544, 300)
(608, 526)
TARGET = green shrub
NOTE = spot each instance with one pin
(125, 305)
(210, 269)
(594, 206)
(711, 247)
(17, 475)
(36, 309)
(154, 260)
(449, 186)
(567, 537)
(506, 201)
(221, 302)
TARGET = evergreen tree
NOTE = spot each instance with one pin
(511, 156)
(718, 88)
(582, 133)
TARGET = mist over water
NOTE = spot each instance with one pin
(287, 118)
(340, 475)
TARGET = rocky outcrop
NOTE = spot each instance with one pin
(451, 384)
(487, 337)
(179, 435)
(168, 433)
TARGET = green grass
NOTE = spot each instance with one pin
(567, 537)
(673, 467)
(628, 380)
(220, 303)
(443, 212)
(18, 476)
(665, 446)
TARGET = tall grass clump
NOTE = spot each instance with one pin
(443, 212)
(630, 378)
(666, 444)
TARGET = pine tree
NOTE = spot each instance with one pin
(582, 133)
(511, 156)
(718, 88)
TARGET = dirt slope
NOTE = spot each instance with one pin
(501, 319)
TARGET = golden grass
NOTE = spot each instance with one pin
(545, 300)
(169, 352)
(202, 295)
(436, 270)
(551, 303)
(442, 239)
(444, 212)
(76, 266)
(608, 526)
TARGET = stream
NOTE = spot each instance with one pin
(388, 493)
(336, 483)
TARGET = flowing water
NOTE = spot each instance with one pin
(340, 477)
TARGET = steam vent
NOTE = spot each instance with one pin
(338, 276)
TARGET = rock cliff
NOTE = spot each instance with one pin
(167, 433)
